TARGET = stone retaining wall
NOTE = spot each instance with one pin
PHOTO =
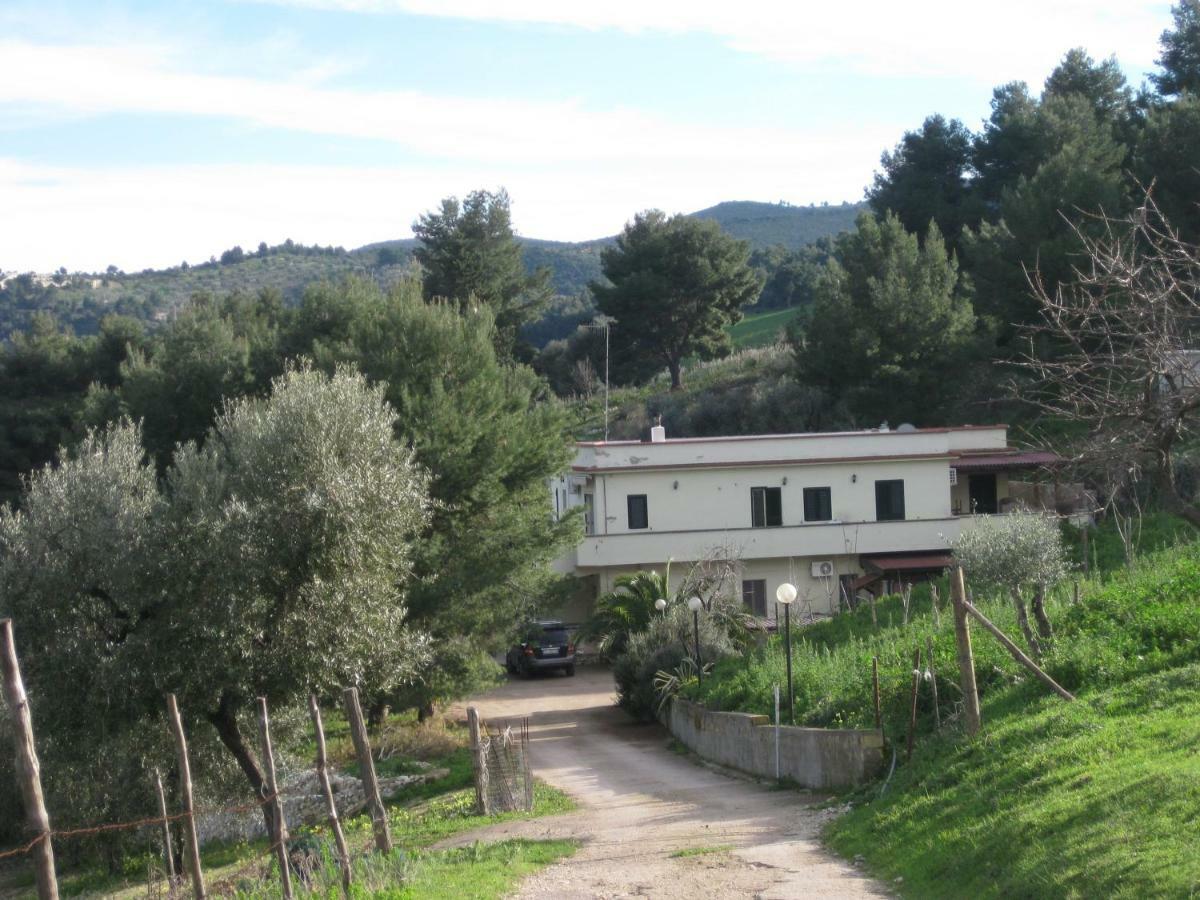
(817, 758)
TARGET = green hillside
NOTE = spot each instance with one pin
(80, 300)
(768, 224)
(762, 329)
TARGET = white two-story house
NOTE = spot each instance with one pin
(832, 513)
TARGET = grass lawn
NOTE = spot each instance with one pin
(1097, 798)
(761, 329)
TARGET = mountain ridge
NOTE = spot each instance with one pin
(80, 299)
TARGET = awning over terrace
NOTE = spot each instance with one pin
(1025, 459)
(882, 565)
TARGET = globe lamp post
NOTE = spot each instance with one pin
(786, 594)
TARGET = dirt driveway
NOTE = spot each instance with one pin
(640, 802)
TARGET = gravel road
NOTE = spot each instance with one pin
(640, 803)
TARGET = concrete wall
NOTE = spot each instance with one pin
(719, 499)
(817, 758)
(643, 549)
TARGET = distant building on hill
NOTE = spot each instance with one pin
(835, 514)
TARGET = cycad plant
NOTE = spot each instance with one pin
(624, 611)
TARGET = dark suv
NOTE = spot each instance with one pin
(544, 646)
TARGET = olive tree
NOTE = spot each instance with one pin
(1022, 553)
(271, 562)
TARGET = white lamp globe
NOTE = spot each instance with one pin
(785, 593)
(695, 603)
(660, 604)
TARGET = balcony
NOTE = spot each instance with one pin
(821, 540)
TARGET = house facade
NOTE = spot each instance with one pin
(833, 513)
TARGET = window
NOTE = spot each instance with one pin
(754, 595)
(766, 507)
(889, 500)
(818, 504)
(638, 513)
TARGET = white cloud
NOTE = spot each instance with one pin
(87, 218)
(573, 172)
(986, 42)
(96, 80)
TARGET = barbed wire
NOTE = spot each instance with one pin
(90, 830)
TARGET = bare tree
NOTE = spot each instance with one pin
(1116, 350)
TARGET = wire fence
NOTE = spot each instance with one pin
(506, 776)
(39, 849)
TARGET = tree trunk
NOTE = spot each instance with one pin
(675, 368)
(1023, 620)
(1169, 493)
(225, 721)
(425, 712)
(1045, 630)
(377, 712)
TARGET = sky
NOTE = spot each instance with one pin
(141, 134)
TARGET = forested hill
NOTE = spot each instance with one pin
(770, 224)
(81, 300)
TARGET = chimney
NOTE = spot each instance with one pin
(658, 434)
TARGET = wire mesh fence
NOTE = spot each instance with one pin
(503, 777)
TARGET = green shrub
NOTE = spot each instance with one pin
(667, 641)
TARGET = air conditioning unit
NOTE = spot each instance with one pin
(822, 569)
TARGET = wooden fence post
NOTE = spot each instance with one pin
(937, 712)
(478, 760)
(185, 790)
(168, 853)
(937, 612)
(1018, 654)
(29, 772)
(335, 825)
(875, 692)
(280, 838)
(366, 764)
(966, 658)
(912, 703)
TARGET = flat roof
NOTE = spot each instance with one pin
(866, 432)
(754, 463)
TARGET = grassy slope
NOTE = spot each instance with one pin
(761, 329)
(1098, 798)
(1095, 798)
